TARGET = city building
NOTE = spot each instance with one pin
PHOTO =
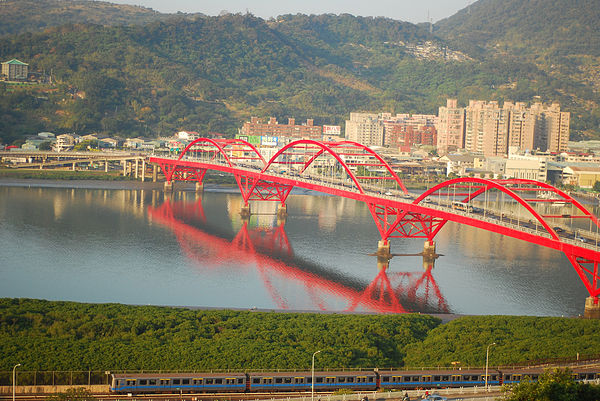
(488, 129)
(450, 127)
(581, 176)
(15, 70)
(365, 128)
(255, 127)
(527, 167)
(64, 142)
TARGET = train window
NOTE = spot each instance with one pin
(185, 381)
(319, 380)
(351, 380)
(455, 378)
(267, 380)
(164, 382)
(240, 381)
(143, 382)
(152, 382)
(229, 381)
(279, 380)
(370, 379)
(330, 380)
(131, 382)
(407, 378)
(256, 380)
(426, 378)
(309, 380)
(218, 381)
(445, 378)
(341, 380)
(287, 379)
(385, 379)
(298, 380)
(436, 378)
(176, 381)
(209, 381)
(197, 381)
(517, 377)
(396, 378)
(361, 379)
(506, 377)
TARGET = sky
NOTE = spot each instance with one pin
(404, 10)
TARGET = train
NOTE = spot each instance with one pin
(364, 380)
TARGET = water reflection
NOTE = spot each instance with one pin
(261, 243)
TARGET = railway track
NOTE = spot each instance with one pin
(175, 396)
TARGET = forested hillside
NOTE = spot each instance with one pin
(19, 16)
(153, 77)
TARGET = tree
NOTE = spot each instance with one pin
(73, 394)
(46, 145)
(555, 384)
(596, 186)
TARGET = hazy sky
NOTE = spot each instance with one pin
(405, 10)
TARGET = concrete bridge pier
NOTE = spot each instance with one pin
(383, 249)
(592, 308)
(199, 187)
(168, 187)
(245, 212)
(281, 211)
(154, 172)
(429, 249)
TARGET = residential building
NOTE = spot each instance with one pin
(552, 127)
(458, 164)
(365, 128)
(64, 142)
(486, 128)
(450, 127)
(15, 70)
(255, 127)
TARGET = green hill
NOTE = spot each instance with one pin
(154, 76)
(20, 16)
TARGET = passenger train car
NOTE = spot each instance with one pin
(367, 380)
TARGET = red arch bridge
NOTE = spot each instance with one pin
(528, 210)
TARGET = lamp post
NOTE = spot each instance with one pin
(14, 379)
(312, 382)
(487, 357)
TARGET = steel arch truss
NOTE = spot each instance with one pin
(533, 196)
(393, 222)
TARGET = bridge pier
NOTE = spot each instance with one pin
(199, 187)
(592, 308)
(383, 249)
(168, 187)
(245, 212)
(429, 249)
(281, 211)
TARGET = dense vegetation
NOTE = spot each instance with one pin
(66, 335)
(553, 385)
(74, 336)
(517, 339)
(206, 74)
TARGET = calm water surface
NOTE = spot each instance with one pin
(139, 247)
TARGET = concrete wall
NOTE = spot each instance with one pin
(7, 390)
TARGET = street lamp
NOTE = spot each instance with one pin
(312, 382)
(14, 377)
(487, 356)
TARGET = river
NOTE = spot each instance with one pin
(103, 242)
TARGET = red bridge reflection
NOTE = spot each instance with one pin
(269, 251)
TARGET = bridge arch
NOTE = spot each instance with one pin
(226, 144)
(483, 185)
(314, 149)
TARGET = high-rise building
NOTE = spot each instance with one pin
(486, 128)
(450, 127)
(365, 128)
